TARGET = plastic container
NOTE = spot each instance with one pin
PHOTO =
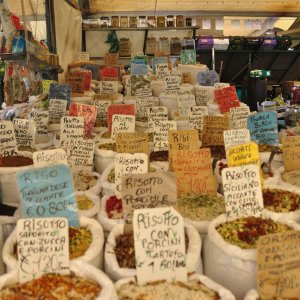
(204, 43)
(115, 21)
(124, 22)
(164, 45)
(175, 46)
(179, 21)
(161, 22)
(133, 22)
(170, 21)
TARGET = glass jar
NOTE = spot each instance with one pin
(104, 22)
(151, 21)
(124, 47)
(179, 21)
(161, 22)
(151, 46)
(164, 45)
(170, 21)
(142, 22)
(295, 95)
(124, 22)
(175, 46)
(133, 22)
(115, 22)
(188, 22)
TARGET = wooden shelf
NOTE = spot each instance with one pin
(140, 28)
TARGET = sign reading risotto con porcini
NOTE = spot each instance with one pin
(54, 287)
(193, 289)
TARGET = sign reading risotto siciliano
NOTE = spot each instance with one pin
(159, 231)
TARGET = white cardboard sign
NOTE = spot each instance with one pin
(70, 128)
(25, 132)
(43, 247)
(242, 191)
(196, 116)
(238, 117)
(128, 164)
(122, 123)
(8, 143)
(57, 109)
(173, 82)
(185, 103)
(156, 113)
(109, 87)
(161, 134)
(41, 119)
(162, 70)
(236, 137)
(49, 157)
(151, 238)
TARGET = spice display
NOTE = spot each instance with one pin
(125, 253)
(114, 208)
(267, 148)
(244, 232)
(292, 177)
(159, 155)
(84, 181)
(84, 202)
(53, 286)
(281, 201)
(16, 161)
(162, 289)
(108, 146)
(201, 207)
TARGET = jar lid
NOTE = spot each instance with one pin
(115, 16)
(170, 16)
(104, 18)
(142, 17)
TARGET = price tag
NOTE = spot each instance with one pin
(173, 82)
(109, 87)
(156, 113)
(83, 56)
(70, 128)
(236, 137)
(8, 143)
(291, 152)
(182, 140)
(25, 132)
(196, 117)
(122, 123)
(76, 81)
(80, 155)
(102, 115)
(49, 157)
(168, 237)
(155, 189)
(278, 271)
(60, 91)
(242, 191)
(226, 98)
(238, 117)
(203, 94)
(185, 103)
(162, 70)
(138, 69)
(132, 142)
(111, 59)
(43, 247)
(46, 85)
(57, 109)
(160, 137)
(128, 164)
(188, 57)
(263, 128)
(119, 109)
(88, 112)
(109, 73)
(48, 192)
(41, 119)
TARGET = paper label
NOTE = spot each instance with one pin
(168, 237)
(48, 192)
(70, 128)
(185, 103)
(119, 109)
(122, 123)
(173, 82)
(196, 117)
(8, 143)
(25, 132)
(109, 87)
(188, 57)
(109, 73)
(76, 81)
(226, 98)
(128, 164)
(141, 107)
(263, 128)
(158, 61)
(57, 109)
(140, 86)
(242, 191)
(46, 85)
(132, 142)
(155, 189)
(80, 155)
(49, 157)
(43, 247)
(161, 134)
(111, 59)
(60, 91)
(236, 137)
(139, 69)
(203, 94)
(41, 119)
(238, 117)
(102, 115)
(83, 56)
(162, 70)
(291, 152)
(88, 112)
(156, 113)
(278, 258)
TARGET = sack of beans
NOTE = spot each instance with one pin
(88, 204)
(85, 244)
(87, 182)
(119, 255)
(84, 282)
(105, 153)
(230, 249)
(9, 167)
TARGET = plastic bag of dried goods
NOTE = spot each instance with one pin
(88, 204)
(88, 182)
(104, 155)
